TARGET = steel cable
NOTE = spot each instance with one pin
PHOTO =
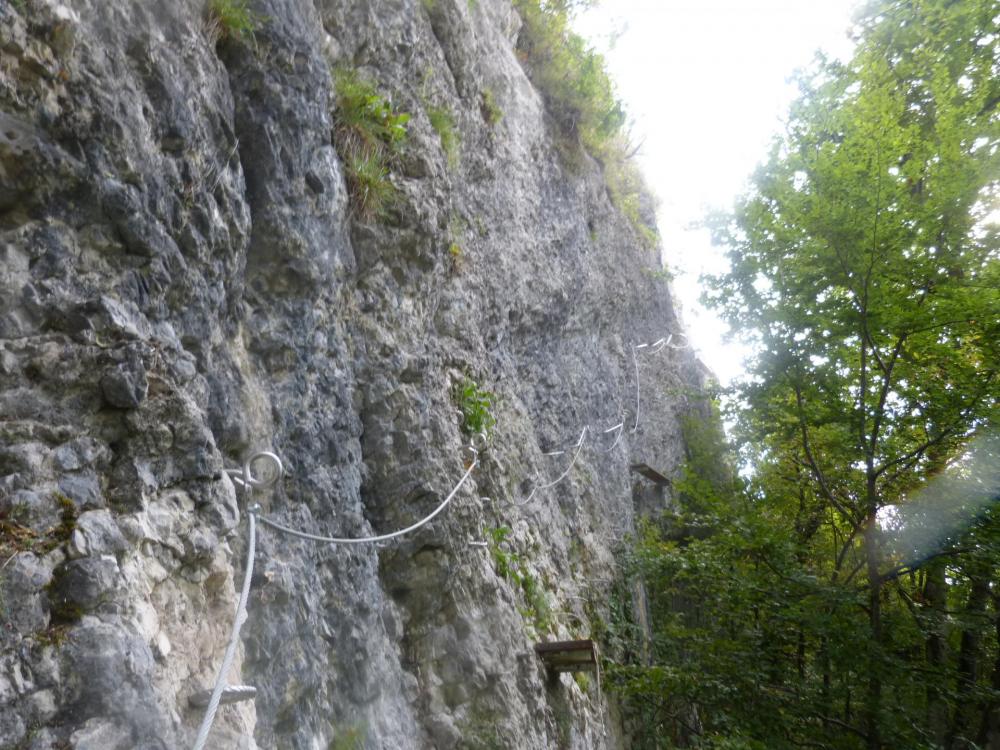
(234, 638)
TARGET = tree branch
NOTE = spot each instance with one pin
(811, 461)
(911, 457)
(883, 395)
(843, 725)
(914, 565)
(915, 455)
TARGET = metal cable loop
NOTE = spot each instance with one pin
(685, 345)
(478, 442)
(244, 477)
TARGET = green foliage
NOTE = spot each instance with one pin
(844, 596)
(571, 75)
(368, 181)
(369, 136)
(504, 563)
(351, 738)
(628, 191)
(581, 98)
(366, 116)
(481, 730)
(537, 609)
(510, 565)
(476, 406)
(659, 274)
(456, 233)
(612, 619)
(444, 125)
(488, 107)
(233, 19)
(53, 637)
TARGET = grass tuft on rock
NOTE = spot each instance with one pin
(369, 135)
(444, 125)
(233, 19)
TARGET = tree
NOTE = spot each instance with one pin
(864, 267)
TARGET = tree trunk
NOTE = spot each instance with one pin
(935, 596)
(966, 707)
(873, 702)
(989, 728)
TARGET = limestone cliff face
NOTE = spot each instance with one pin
(182, 282)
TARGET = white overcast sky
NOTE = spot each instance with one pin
(707, 84)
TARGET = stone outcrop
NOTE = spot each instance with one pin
(182, 282)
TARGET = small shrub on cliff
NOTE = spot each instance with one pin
(444, 125)
(350, 738)
(456, 234)
(368, 180)
(627, 190)
(488, 107)
(365, 116)
(476, 407)
(233, 19)
(369, 135)
(16, 536)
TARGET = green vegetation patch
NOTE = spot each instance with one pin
(476, 406)
(582, 100)
(510, 565)
(571, 75)
(840, 590)
(488, 107)
(233, 19)
(369, 136)
(349, 738)
(16, 537)
(444, 125)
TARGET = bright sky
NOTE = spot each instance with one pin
(706, 82)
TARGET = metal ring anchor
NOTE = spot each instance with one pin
(469, 455)
(478, 442)
(267, 478)
(685, 345)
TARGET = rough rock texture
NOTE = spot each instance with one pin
(182, 282)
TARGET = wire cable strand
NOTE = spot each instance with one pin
(618, 429)
(246, 480)
(234, 639)
(381, 537)
(557, 480)
(635, 361)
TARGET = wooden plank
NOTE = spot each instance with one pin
(230, 694)
(585, 645)
(651, 474)
(568, 656)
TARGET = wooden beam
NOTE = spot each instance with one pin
(651, 474)
(568, 656)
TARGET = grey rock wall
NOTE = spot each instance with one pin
(182, 283)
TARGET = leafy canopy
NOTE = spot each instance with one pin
(842, 598)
